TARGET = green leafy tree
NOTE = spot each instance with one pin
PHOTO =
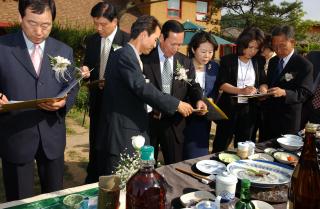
(264, 14)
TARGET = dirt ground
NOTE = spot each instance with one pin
(76, 157)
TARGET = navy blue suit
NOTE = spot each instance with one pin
(31, 134)
(197, 131)
(125, 115)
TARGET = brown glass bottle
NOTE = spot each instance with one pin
(304, 189)
(146, 188)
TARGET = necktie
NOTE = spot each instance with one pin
(166, 76)
(104, 57)
(36, 58)
(316, 98)
(280, 66)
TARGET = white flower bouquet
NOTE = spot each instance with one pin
(129, 164)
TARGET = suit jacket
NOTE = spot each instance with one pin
(228, 73)
(22, 130)
(126, 113)
(92, 60)
(284, 113)
(180, 89)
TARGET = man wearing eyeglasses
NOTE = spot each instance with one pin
(290, 80)
(30, 135)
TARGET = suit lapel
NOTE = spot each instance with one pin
(155, 67)
(22, 55)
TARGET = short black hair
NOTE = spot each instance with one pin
(104, 9)
(171, 26)
(267, 43)
(249, 34)
(37, 7)
(199, 38)
(286, 30)
(144, 23)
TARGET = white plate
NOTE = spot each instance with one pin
(299, 138)
(261, 156)
(273, 173)
(211, 166)
(261, 204)
(194, 197)
(282, 157)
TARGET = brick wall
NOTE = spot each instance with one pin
(74, 13)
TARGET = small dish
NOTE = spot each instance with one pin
(285, 157)
(206, 204)
(262, 205)
(261, 156)
(228, 157)
(193, 198)
(269, 150)
(211, 166)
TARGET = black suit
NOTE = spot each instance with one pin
(92, 60)
(309, 113)
(31, 134)
(283, 114)
(241, 115)
(125, 115)
(168, 131)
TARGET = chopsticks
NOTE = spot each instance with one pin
(200, 177)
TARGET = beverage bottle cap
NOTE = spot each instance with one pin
(147, 153)
(245, 183)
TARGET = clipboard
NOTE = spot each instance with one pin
(214, 112)
(258, 95)
(33, 104)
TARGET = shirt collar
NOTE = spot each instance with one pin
(161, 54)
(30, 44)
(112, 35)
(287, 58)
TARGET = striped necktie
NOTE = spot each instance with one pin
(36, 58)
(104, 58)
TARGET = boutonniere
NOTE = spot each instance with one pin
(60, 65)
(288, 77)
(209, 66)
(181, 73)
(116, 47)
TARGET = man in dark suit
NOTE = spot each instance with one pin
(167, 130)
(33, 134)
(126, 114)
(99, 47)
(311, 108)
(290, 79)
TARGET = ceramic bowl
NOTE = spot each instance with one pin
(195, 197)
(262, 205)
(285, 157)
(292, 136)
(290, 144)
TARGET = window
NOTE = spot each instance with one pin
(174, 8)
(202, 10)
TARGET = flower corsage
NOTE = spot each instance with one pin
(181, 73)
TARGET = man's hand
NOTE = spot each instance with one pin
(53, 105)
(277, 92)
(201, 106)
(248, 90)
(3, 99)
(85, 72)
(184, 109)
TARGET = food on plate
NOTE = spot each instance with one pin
(259, 173)
(228, 157)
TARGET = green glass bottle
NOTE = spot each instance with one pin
(245, 198)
